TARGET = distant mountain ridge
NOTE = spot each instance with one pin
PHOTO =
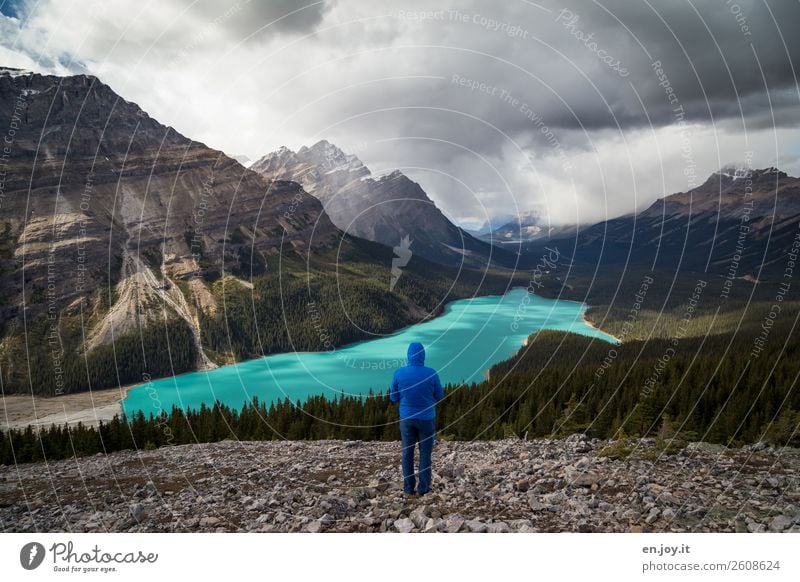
(737, 223)
(491, 224)
(384, 209)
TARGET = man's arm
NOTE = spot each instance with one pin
(394, 391)
(438, 391)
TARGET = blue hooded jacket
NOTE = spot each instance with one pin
(416, 387)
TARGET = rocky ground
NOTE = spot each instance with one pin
(501, 486)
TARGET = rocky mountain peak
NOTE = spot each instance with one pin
(383, 208)
(724, 189)
(734, 172)
(707, 219)
(329, 158)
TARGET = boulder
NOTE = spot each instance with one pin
(476, 526)
(453, 524)
(403, 525)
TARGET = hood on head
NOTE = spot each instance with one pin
(416, 354)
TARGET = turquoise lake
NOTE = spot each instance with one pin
(462, 344)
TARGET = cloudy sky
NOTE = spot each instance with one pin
(579, 110)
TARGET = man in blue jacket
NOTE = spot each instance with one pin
(417, 388)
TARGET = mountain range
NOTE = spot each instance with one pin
(128, 250)
(386, 209)
(513, 233)
(737, 223)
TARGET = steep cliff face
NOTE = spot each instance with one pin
(385, 209)
(106, 213)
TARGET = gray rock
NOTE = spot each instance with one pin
(554, 498)
(534, 503)
(404, 525)
(138, 512)
(780, 523)
(705, 447)
(522, 485)
(631, 515)
(418, 518)
(476, 526)
(453, 524)
(585, 479)
(258, 505)
(499, 527)
(314, 526)
(275, 486)
(381, 484)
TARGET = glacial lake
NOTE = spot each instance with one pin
(462, 344)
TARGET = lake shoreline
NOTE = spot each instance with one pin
(92, 407)
(471, 336)
(583, 314)
(593, 326)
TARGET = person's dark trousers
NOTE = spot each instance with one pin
(413, 431)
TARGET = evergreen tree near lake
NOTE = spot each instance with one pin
(701, 394)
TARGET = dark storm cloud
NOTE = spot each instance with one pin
(516, 81)
(245, 17)
(722, 59)
(710, 61)
(476, 99)
(574, 66)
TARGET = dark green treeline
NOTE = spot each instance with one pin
(713, 389)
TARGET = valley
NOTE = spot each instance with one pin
(360, 267)
(155, 255)
(192, 285)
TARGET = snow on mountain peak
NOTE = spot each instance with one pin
(734, 171)
(737, 172)
(331, 159)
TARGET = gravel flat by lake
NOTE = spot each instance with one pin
(89, 408)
